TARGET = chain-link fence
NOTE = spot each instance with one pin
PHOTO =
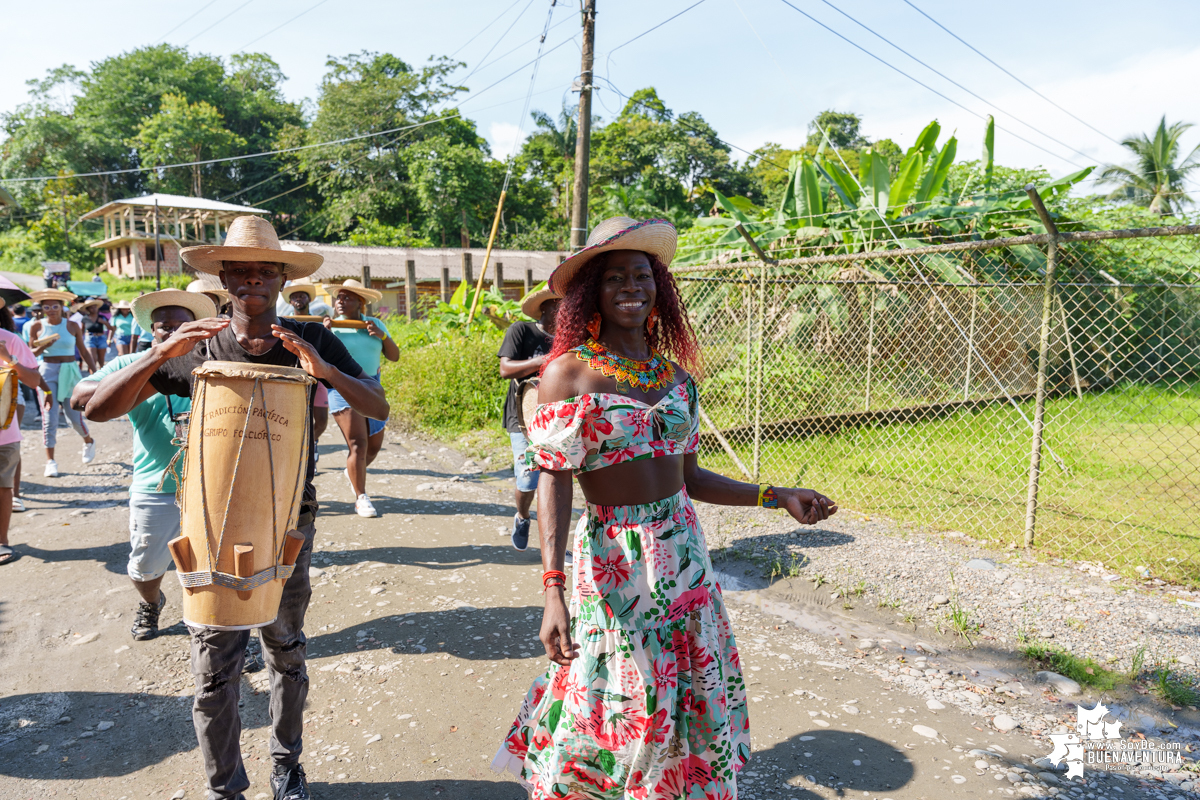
(914, 397)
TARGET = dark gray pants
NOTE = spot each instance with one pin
(217, 658)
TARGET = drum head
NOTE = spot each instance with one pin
(528, 394)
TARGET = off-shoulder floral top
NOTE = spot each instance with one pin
(601, 429)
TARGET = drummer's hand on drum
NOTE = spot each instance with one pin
(5, 356)
(806, 506)
(310, 360)
(185, 337)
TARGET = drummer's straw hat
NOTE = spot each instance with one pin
(204, 288)
(657, 237)
(303, 285)
(369, 295)
(252, 239)
(51, 296)
(531, 304)
(145, 306)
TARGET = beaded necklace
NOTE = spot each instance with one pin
(644, 375)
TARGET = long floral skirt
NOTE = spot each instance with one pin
(654, 707)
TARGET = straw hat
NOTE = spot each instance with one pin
(368, 295)
(84, 305)
(252, 239)
(145, 306)
(656, 237)
(123, 305)
(51, 295)
(204, 288)
(531, 304)
(303, 285)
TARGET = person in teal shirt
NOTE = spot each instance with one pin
(368, 346)
(153, 515)
(123, 324)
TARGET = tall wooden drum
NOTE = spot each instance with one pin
(8, 396)
(243, 479)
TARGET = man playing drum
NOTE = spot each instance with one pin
(153, 515)
(252, 265)
(521, 355)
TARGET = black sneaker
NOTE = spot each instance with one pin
(253, 660)
(289, 783)
(520, 534)
(145, 624)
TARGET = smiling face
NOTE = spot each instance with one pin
(254, 285)
(166, 320)
(347, 304)
(627, 289)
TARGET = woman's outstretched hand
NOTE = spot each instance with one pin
(806, 506)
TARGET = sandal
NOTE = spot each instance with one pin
(7, 556)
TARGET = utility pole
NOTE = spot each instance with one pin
(583, 141)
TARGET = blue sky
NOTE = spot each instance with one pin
(756, 69)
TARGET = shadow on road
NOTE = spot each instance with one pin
(840, 760)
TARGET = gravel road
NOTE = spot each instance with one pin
(423, 638)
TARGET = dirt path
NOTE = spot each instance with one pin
(423, 639)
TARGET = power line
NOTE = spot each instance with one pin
(277, 27)
(500, 58)
(501, 39)
(956, 83)
(189, 19)
(218, 22)
(893, 67)
(656, 27)
(483, 30)
(1009, 74)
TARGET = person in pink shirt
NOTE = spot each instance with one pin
(15, 354)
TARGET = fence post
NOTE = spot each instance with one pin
(468, 277)
(870, 348)
(1062, 312)
(761, 313)
(1039, 411)
(410, 289)
(445, 284)
(498, 283)
(970, 343)
(528, 282)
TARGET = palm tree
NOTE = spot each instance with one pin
(562, 136)
(1155, 179)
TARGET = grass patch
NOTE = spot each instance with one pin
(1127, 499)
(1178, 690)
(1084, 671)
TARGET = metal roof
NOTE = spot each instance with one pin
(347, 261)
(175, 201)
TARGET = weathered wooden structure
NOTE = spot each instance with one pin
(130, 226)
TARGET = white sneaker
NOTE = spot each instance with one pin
(18, 504)
(363, 507)
(51, 469)
(89, 452)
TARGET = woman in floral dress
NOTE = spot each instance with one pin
(644, 698)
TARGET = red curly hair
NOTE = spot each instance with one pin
(672, 334)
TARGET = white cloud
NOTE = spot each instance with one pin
(503, 138)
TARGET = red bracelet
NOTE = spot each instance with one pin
(554, 576)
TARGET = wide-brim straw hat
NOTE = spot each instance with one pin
(84, 305)
(531, 304)
(303, 285)
(252, 239)
(123, 305)
(51, 296)
(656, 237)
(370, 295)
(204, 288)
(145, 306)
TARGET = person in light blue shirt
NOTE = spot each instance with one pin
(153, 515)
(368, 346)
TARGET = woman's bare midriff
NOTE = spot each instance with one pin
(58, 359)
(633, 482)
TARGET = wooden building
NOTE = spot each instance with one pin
(129, 227)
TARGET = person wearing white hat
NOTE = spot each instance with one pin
(219, 297)
(123, 324)
(301, 300)
(252, 265)
(645, 691)
(369, 345)
(56, 362)
(522, 354)
(153, 515)
(97, 330)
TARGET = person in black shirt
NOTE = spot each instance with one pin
(252, 266)
(522, 352)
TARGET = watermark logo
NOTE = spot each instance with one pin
(1098, 743)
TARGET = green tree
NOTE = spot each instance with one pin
(1155, 179)
(842, 127)
(182, 132)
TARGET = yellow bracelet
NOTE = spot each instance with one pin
(767, 497)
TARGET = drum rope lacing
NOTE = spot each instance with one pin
(212, 576)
